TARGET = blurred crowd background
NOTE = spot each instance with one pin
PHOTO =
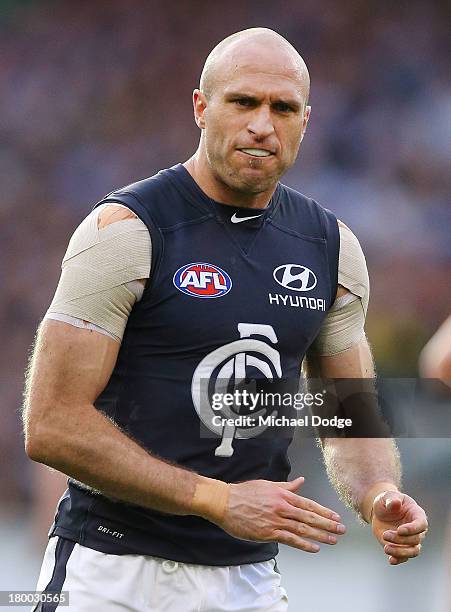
(97, 94)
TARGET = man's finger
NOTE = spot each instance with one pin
(312, 506)
(305, 531)
(288, 538)
(314, 520)
(419, 525)
(394, 538)
(392, 504)
(402, 552)
(395, 561)
(291, 485)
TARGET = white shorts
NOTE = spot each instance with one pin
(99, 582)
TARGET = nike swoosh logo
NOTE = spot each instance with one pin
(235, 219)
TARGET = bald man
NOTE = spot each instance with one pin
(172, 290)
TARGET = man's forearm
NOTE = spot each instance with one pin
(358, 468)
(70, 367)
(361, 468)
(103, 457)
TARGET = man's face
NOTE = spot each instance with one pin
(253, 123)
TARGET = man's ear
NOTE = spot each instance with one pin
(307, 111)
(199, 106)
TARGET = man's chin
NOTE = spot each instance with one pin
(255, 184)
(247, 180)
(252, 180)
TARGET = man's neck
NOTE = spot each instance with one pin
(220, 192)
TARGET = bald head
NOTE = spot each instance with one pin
(251, 108)
(260, 48)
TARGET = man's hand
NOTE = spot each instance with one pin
(399, 524)
(267, 511)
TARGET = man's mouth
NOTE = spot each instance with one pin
(256, 152)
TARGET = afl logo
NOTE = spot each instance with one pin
(202, 280)
(295, 277)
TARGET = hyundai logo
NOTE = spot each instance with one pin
(295, 277)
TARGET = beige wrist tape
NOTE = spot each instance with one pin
(97, 270)
(210, 499)
(368, 500)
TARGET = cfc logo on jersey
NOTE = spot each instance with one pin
(202, 280)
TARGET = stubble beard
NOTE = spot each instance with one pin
(233, 179)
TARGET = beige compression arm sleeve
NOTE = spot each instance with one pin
(99, 274)
(344, 324)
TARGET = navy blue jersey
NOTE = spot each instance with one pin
(233, 294)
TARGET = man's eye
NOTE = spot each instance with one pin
(244, 102)
(282, 107)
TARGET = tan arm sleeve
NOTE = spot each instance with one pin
(344, 324)
(99, 270)
(352, 268)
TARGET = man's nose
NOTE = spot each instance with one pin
(260, 123)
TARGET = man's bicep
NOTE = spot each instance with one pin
(69, 366)
(355, 362)
(328, 371)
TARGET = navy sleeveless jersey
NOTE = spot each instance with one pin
(227, 294)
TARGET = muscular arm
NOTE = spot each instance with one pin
(366, 471)
(359, 468)
(63, 429)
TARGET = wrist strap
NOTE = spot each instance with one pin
(210, 499)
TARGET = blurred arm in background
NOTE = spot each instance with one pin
(435, 362)
(435, 358)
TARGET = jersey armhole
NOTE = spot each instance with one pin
(332, 235)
